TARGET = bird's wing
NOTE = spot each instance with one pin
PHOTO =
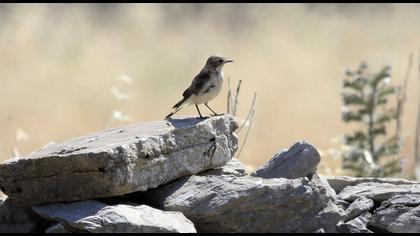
(197, 84)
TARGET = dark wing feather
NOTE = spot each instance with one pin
(197, 84)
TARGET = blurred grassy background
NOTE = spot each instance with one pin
(63, 66)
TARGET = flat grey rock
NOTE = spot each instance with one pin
(396, 218)
(357, 207)
(405, 200)
(378, 192)
(228, 203)
(233, 167)
(300, 160)
(338, 183)
(70, 213)
(96, 217)
(357, 225)
(120, 160)
(137, 219)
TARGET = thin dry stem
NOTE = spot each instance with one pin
(417, 133)
(251, 115)
(229, 98)
(401, 99)
(236, 97)
(248, 117)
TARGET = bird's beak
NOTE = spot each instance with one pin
(227, 61)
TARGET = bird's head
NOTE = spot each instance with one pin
(216, 62)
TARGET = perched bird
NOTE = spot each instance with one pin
(204, 87)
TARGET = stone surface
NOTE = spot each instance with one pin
(377, 191)
(17, 228)
(96, 217)
(59, 228)
(14, 219)
(405, 200)
(338, 183)
(357, 225)
(321, 181)
(300, 160)
(120, 160)
(396, 219)
(233, 167)
(329, 217)
(243, 204)
(357, 207)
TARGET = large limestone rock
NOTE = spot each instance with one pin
(228, 203)
(96, 217)
(120, 160)
(300, 160)
(338, 183)
(378, 192)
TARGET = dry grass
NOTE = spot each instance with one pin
(59, 63)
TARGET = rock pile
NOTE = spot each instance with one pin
(179, 176)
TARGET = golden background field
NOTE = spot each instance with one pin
(60, 62)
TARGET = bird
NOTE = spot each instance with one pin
(205, 86)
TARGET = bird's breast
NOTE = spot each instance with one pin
(210, 90)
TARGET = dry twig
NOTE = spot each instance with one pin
(417, 131)
(249, 119)
(236, 97)
(401, 98)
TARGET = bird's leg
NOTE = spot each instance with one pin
(199, 112)
(211, 109)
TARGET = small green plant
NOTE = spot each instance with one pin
(365, 99)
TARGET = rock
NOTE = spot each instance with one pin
(70, 213)
(14, 219)
(96, 217)
(233, 167)
(300, 160)
(357, 225)
(356, 208)
(228, 203)
(378, 192)
(17, 228)
(321, 181)
(338, 183)
(330, 216)
(396, 219)
(405, 200)
(399, 214)
(120, 160)
(60, 228)
(341, 203)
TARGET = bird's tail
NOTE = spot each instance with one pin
(179, 103)
(176, 108)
